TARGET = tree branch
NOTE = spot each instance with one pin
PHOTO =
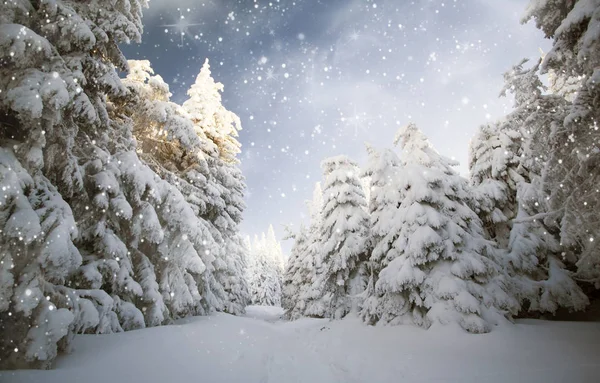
(537, 216)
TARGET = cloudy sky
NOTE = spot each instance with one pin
(316, 78)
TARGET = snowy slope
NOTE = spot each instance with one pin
(224, 348)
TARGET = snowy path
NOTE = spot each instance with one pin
(260, 348)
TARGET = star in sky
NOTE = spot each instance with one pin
(270, 74)
(357, 120)
(181, 26)
(354, 35)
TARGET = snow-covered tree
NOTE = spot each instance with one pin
(571, 175)
(494, 170)
(220, 127)
(157, 200)
(136, 248)
(341, 269)
(251, 273)
(274, 252)
(382, 170)
(236, 284)
(57, 67)
(177, 146)
(441, 272)
(293, 276)
(38, 314)
(507, 159)
(224, 184)
(267, 270)
(207, 111)
(301, 269)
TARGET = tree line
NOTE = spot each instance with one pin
(423, 245)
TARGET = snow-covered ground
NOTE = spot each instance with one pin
(259, 348)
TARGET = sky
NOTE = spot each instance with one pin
(317, 78)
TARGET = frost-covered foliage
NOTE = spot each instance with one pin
(206, 110)
(343, 243)
(494, 163)
(439, 249)
(157, 199)
(57, 67)
(416, 253)
(561, 84)
(385, 195)
(293, 276)
(223, 185)
(37, 255)
(572, 24)
(300, 273)
(235, 283)
(507, 159)
(440, 270)
(265, 269)
(178, 149)
(571, 174)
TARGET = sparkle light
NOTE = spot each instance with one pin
(181, 26)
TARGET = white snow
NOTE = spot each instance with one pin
(225, 348)
(266, 313)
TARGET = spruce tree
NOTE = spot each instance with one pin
(571, 176)
(224, 183)
(382, 170)
(299, 292)
(267, 270)
(441, 272)
(58, 67)
(293, 280)
(343, 240)
(506, 169)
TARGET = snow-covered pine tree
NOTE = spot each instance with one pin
(207, 111)
(382, 170)
(236, 284)
(343, 241)
(494, 163)
(274, 252)
(506, 165)
(441, 272)
(251, 268)
(38, 314)
(571, 175)
(151, 261)
(58, 65)
(307, 246)
(300, 275)
(311, 262)
(267, 287)
(218, 129)
(256, 269)
(293, 278)
(177, 150)
(159, 228)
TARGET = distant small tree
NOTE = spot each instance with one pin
(267, 269)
